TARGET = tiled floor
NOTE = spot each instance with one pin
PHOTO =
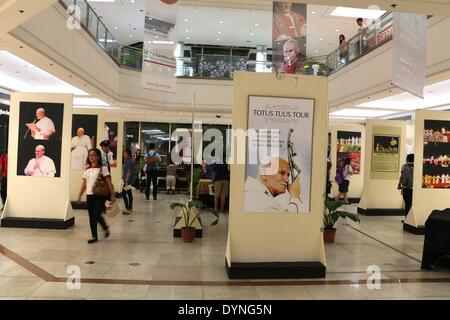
(142, 260)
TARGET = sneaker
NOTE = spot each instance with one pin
(107, 233)
(93, 240)
(126, 212)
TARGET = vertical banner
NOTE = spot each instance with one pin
(40, 136)
(436, 154)
(288, 37)
(409, 52)
(348, 146)
(279, 150)
(111, 135)
(160, 39)
(84, 138)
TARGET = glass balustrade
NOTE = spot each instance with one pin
(223, 66)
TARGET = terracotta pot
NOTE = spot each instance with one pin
(329, 235)
(188, 234)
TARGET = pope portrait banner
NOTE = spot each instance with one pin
(279, 151)
(84, 138)
(40, 136)
(289, 24)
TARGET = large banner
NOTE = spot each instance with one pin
(40, 136)
(348, 146)
(84, 138)
(385, 153)
(409, 54)
(279, 149)
(436, 154)
(288, 37)
(160, 39)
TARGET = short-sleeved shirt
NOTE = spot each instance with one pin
(171, 170)
(153, 153)
(4, 164)
(91, 175)
(348, 171)
(129, 165)
(407, 174)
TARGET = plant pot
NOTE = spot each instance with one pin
(329, 235)
(188, 234)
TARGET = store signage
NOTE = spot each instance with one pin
(385, 35)
(409, 56)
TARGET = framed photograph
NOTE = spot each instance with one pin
(40, 136)
(348, 145)
(278, 155)
(386, 153)
(84, 138)
(436, 155)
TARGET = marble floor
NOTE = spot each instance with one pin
(142, 260)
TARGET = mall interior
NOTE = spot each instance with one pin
(190, 80)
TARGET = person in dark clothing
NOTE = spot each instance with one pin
(405, 183)
(152, 158)
(129, 180)
(4, 176)
(221, 174)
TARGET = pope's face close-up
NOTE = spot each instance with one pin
(284, 7)
(290, 52)
(278, 182)
(39, 114)
(39, 152)
(80, 132)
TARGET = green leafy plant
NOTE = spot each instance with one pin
(189, 215)
(332, 214)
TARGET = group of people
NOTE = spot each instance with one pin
(343, 45)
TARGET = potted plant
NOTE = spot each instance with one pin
(332, 214)
(191, 211)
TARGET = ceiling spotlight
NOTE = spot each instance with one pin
(252, 34)
(221, 21)
(116, 28)
(156, 37)
(313, 12)
(317, 51)
(337, 30)
(219, 32)
(186, 30)
(218, 39)
(132, 1)
(186, 20)
(321, 39)
(256, 24)
(131, 36)
(187, 38)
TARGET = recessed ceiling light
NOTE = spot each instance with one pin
(220, 21)
(316, 51)
(132, 1)
(187, 38)
(321, 39)
(357, 13)
(186, 30)
(186, 20)
(156, 37)
(219, 32)
(337, 30)
(313, 12)
(116, 28)
(218, 39)
(256, 24)
(252, 34)
(131, 36)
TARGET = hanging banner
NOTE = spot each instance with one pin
(409, 52)
(160, 39)
(288, 37)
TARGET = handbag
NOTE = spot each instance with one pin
(100, 187)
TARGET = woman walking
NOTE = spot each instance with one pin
(129, 180)
(347, 172)
(95, 203)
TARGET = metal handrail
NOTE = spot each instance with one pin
(131, 58)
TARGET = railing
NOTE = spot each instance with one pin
(222, 67)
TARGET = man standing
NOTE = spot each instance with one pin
(362, 29)
(405, 183)
(104, 145)
(152, 158)
(41, 165)
(3, 175)
(293, 64)
(44, 128)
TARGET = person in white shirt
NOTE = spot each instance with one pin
(44, 128)
(271, 191)
(343, 186)
(95, 203)
(362, 30)
(41, 166)
(80, 145)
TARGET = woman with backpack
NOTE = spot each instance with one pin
(343, 179)
(405, 183)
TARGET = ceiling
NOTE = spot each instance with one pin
(240, 27)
